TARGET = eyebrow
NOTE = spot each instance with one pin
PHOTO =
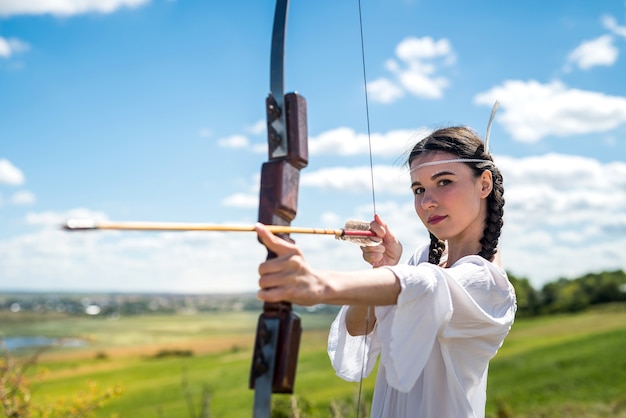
(435, 176)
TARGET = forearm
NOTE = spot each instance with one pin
(288, 277)
(380, 287)
(376, 287)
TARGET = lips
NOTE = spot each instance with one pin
(435, 219)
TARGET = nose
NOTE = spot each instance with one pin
(428, 200)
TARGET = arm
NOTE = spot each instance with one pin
(357, 321)
(288, 277)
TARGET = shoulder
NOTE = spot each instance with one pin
(486, 283)
(475, 269)
(472, 272)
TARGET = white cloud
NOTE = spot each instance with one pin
(64, 7)
(330, 219)
(10, 174)
(417, 49)
(415, 71)
(52, 219)
(599, 51)
(110, 260)
(532, 111)
(344, 179)
(559, 190)
(12, 46)
(564, 216)
(383, 90)
(345, 141)
(258, 128)
(242, 200)
(611, 24)
(248, 199)
(387, 179)
(23, 197)
(234, 141)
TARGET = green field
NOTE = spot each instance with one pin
(554, 366)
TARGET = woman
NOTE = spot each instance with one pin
(436, 321)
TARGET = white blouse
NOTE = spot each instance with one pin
(435, 343)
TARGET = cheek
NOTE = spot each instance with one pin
(417, 204)
(419, 210)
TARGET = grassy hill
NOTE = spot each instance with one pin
(553, 366)
(563, 366)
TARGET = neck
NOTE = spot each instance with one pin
(458, 251)
(464, 244)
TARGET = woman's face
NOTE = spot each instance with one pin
(449, 200)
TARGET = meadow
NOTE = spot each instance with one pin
(552, 366)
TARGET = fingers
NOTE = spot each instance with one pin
(373, 254)
(274, 243)
(272, 294)
(385, 232)
(287, 279)
(277, 275)
(378, 227)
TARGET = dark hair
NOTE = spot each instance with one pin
(464, 143)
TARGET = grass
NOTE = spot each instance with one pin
(562, 366)
(558, 366)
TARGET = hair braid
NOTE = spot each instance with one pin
(437, 247)
(495, 212)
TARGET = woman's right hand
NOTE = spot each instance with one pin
(388, 252)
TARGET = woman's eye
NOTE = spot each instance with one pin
(444, 182)
(418, 190)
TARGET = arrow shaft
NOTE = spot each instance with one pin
(76, 225)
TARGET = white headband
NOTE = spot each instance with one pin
(456, 160)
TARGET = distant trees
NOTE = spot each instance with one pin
(569, 295)
(562, 295)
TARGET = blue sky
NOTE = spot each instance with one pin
(154, 110)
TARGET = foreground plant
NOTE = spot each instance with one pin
(15, 392)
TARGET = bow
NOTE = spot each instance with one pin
(279, 329)
(278, 332)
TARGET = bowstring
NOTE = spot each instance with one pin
(367, 107)
(369, 142)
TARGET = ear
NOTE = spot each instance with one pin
(485, 181)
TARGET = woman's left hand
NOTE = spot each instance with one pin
(287, 277)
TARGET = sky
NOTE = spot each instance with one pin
(154, 110)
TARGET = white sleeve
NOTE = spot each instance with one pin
(409, 331)
(352, 357)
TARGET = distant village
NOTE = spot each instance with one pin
(560, 296)
(123, 304)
